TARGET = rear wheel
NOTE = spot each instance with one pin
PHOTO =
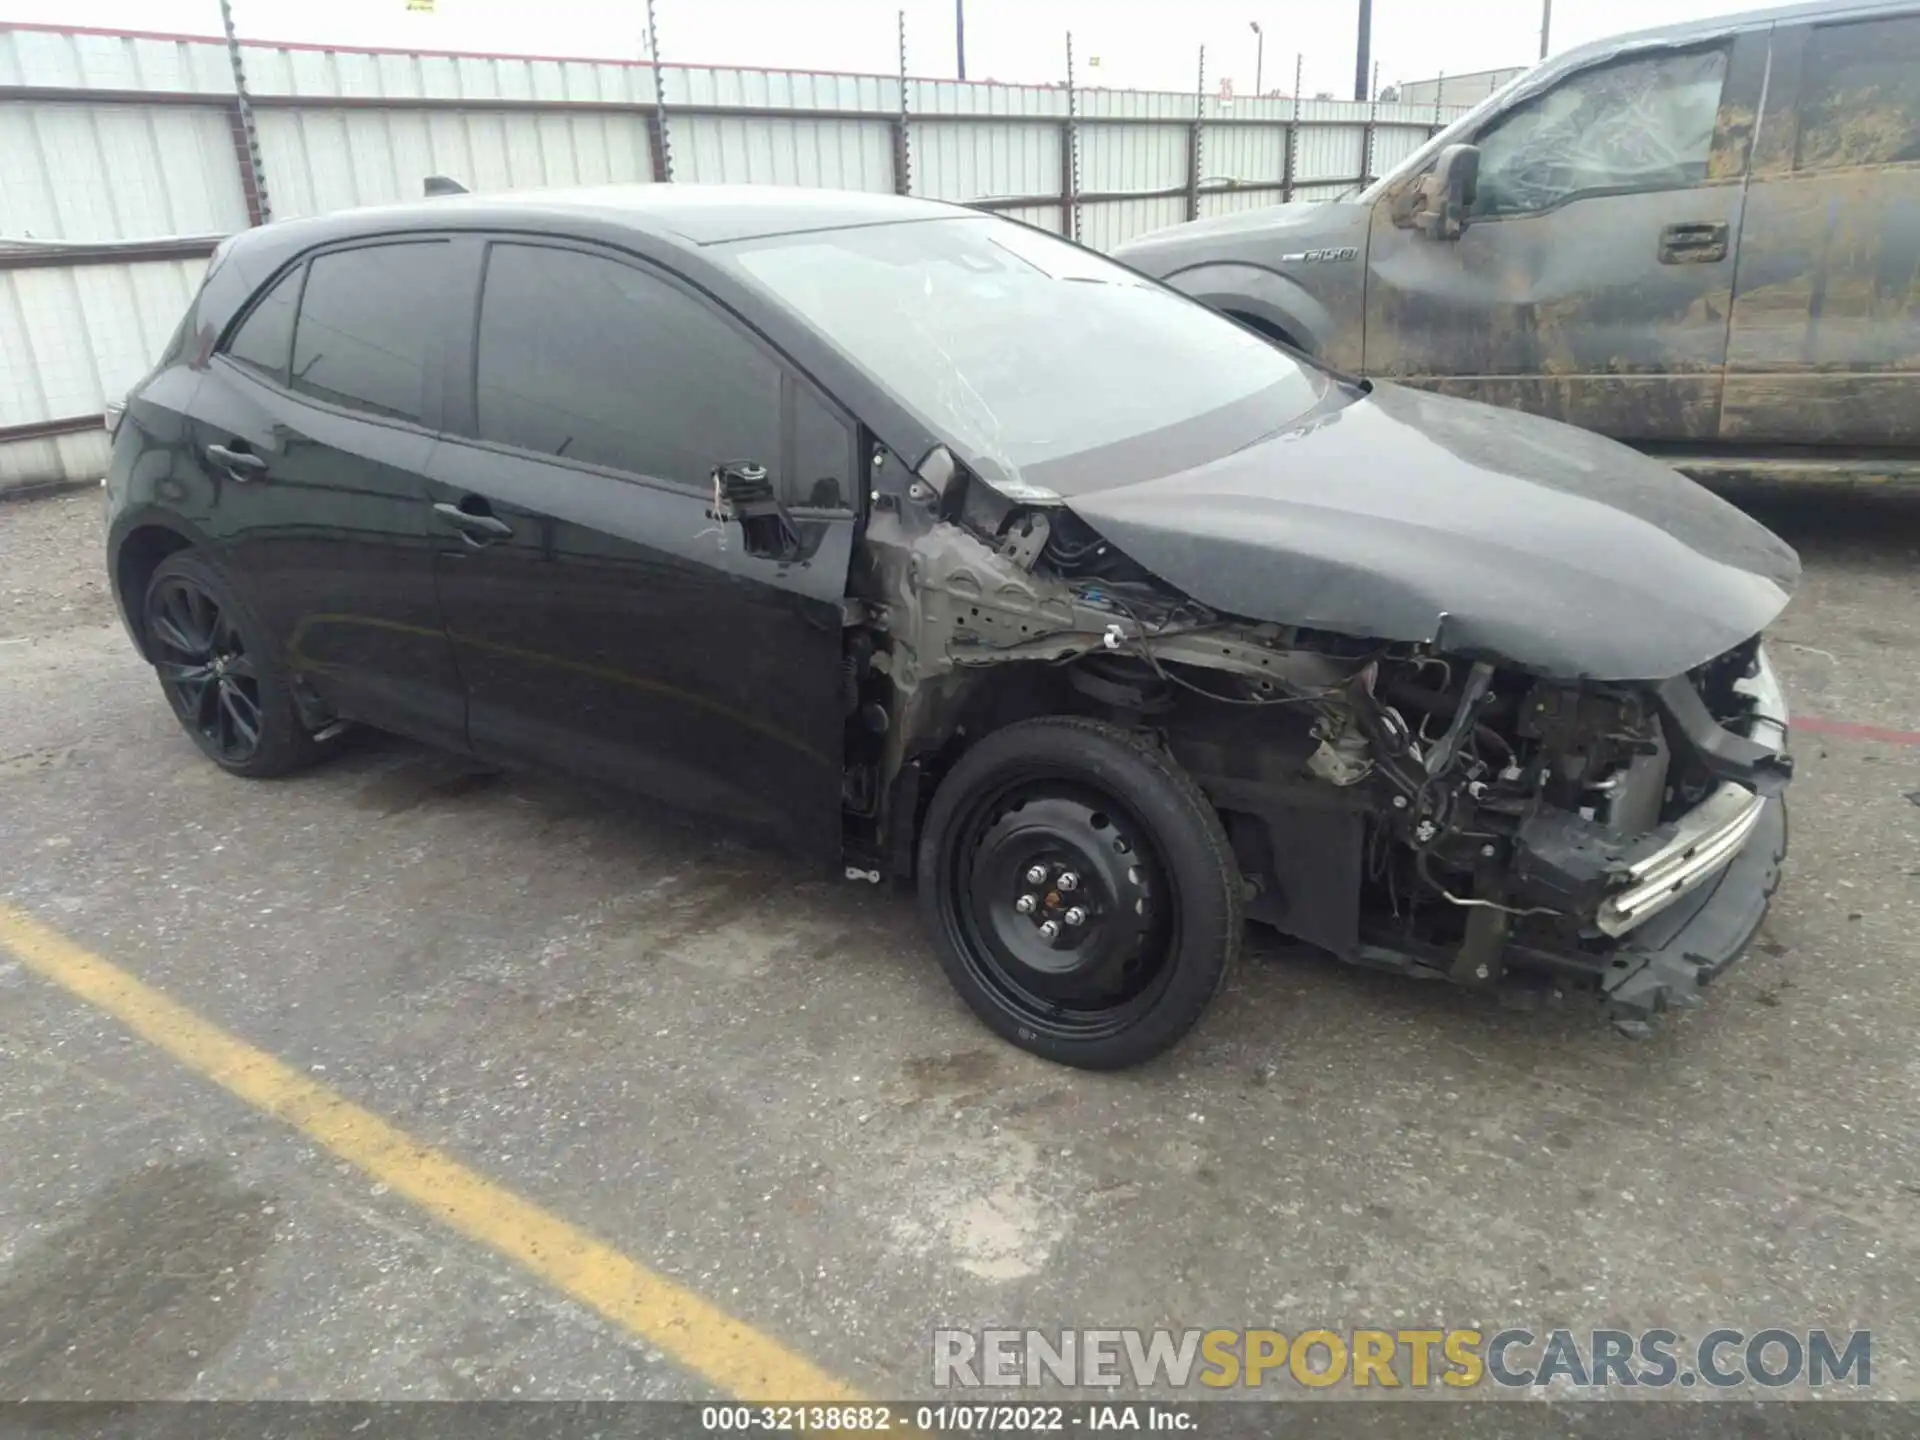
(1081, 892)
(218, 672)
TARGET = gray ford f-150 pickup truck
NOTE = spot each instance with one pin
(1703, 240)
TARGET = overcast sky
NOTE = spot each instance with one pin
(1139, 43)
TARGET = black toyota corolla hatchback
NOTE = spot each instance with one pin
(928, 545)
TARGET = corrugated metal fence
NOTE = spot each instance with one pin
(126, 158)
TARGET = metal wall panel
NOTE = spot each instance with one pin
(1232, 202)
(117, 172)
(1247, 153)
(966, 97)
(1391, 145)
(780, 89)
(1106, 224)
(985, 160)
(767, 150)
(1329, 152)
(1330, 191)
(300, 70)
(69, 61)
(1044, 217)
(71, 337)
(1132, 157)
(62, 459)
(320, 160)
(1137, 104)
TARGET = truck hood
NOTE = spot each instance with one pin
(1316, 221)
(1413, 517)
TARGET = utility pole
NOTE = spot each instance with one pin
(1259, 55)
(1546, 25)
(960, 35)
(1362, 61)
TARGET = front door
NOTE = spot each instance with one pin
(316, 433)
(1825, 347)
(1594, 280)
(605, 623)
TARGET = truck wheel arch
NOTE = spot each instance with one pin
(1261, 299)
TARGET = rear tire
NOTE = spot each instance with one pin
(218, 671)
(1094, 831)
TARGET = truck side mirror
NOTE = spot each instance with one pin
(1443, 200)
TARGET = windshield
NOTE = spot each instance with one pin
(1039, 363)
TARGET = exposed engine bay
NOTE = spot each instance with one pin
(1447, 815)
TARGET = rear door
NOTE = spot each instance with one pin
(605, 623)
(1825, 348)
(314, 427)
(1594, 282)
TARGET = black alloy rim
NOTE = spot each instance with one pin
(205, 669)
(1061, 907)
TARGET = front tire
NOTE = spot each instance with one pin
(218, 671)
(1081, 892)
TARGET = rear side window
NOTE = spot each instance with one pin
(265, 337)
(1639, 124)
(367, 325)
(588, 359)
(1860, 98)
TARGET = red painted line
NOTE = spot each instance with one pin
(1855, 732)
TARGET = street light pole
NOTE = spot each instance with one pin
(1546, 24)
(1362, 60)
(1259, 54)
(960, 35)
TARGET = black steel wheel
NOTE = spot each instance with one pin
(1081, 891)
(217, 672)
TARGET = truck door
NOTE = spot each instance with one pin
(1825, 344)
(1594, 281)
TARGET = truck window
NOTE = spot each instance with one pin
(1644, 123)
(1860, 101)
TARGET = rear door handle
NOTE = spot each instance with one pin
(476, 527)
(1693, 243)
(241, 465)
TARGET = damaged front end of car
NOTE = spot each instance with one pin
(1441, 811)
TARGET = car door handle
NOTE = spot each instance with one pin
(1693, 243)
(241, 465)
(476, 527)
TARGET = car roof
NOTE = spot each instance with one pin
(681, 213)
(1807, 10)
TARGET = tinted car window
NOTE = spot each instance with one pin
(1861, 95)
(822, 452)
(585, 357)
(265, 337)
(366, 327)
(1637, 124)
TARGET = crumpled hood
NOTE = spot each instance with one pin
(1412, 517)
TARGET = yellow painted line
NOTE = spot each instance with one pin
(729, 1353)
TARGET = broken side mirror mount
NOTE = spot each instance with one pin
(933, 476)
(742, 491)
(1442, 201)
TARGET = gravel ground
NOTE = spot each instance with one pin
(52, 564)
